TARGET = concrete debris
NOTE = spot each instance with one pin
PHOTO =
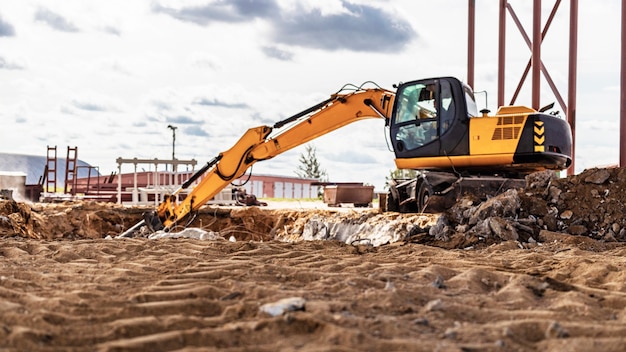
(284, 305)
(589, 204)
(190, 232)
(502, 205)
(371, 229)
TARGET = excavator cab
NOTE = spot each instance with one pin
(430, 118)
(435, 125)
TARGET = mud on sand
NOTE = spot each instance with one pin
(480, 279)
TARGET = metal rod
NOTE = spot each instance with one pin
(571, 89)
(501, 50)
(622, 110)
(471, 34)
(130, 231)
(536, 67)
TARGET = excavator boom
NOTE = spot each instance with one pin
(256, 144)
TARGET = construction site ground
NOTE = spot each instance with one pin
(535, 269)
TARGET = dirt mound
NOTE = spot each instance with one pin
(68, 220)
(588, 205)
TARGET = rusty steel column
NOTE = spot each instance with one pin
(622, 109)
(571, 77)
(471, 35)
(501, 50)
(536, 56)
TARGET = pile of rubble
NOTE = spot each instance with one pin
(589, 204)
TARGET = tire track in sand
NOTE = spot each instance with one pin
(114, 295)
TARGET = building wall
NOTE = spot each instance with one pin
(270, 186)
(262, 186)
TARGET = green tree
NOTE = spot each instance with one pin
(309, 166)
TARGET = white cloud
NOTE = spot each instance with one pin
(109, 81)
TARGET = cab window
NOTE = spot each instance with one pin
(416, 116)
(448, 108)
(472, 109)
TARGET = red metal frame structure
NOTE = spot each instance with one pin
(535, 65)
(622, 110)
(50, 173)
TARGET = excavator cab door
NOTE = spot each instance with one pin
(430, 119)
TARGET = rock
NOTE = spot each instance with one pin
(440, 229)
(434, 305)
(284, 305)
(540, 180)
(503, 229)
(555, 330)
(615, 227)
(481, 229)
(439, 283)
(598, 176)
(577, 230)
(609, 237)
(566, 215)
(502, 205)
(553, 194)
(550, 222)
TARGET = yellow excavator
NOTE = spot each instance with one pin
(434, 128)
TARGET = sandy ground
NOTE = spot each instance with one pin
(166, 295)
(559, 284)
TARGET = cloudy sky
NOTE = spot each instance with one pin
(110, 76)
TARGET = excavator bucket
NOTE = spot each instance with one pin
(151, 219)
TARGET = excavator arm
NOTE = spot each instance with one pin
(256, 144)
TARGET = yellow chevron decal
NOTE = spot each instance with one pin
(539, 137)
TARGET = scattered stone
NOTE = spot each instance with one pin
(439, 283)
(556, 331)
(450, 333)
(284, 305)
(577, 230)
(421, 321)
(540, 180)
(566, 215)
(615, 227)
(440, 230)
(598, 176)
(434, 305)
(502, 205)
(502, 228)
(554, 194)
